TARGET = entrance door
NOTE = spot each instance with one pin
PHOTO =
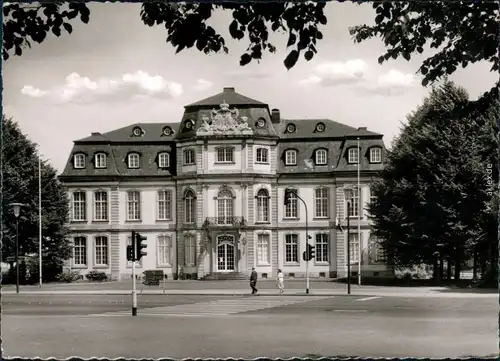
(225, 254)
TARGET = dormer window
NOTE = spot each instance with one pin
(321, 157)
(291, 157)
(133, 160)
(100, 160)
(261, 123)
(189, 124)
(320, 127)
(225, 155)
(167, 131)
(375, 155)
(188, 157)
(137, 132)
(353, 155)
(164, 160)
(79, 160)
(290, 128)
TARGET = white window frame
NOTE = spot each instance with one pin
(263, 209)
(321, 202)
(80, 247)
(104, 249)
(101, 208)
(322, 248)
(133, 205)
(164, 201)
(188, 157)
(189, 202)
(164, 250)
(79, 161)
(133, 161)
(355, 204)
(262, 155)
(291, 248)
(377, 253)
(292, 208)
(225, 207)
(129, 263)
(354, 246)
(291, 157)
(190, 250)
(263, 251)
(100, 160)
(375, 155)
(79, 203)
(353, 156)
(321, 157)
(225, 155)
(164, 160)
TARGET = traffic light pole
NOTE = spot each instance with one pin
(307, 244)
(348, 250)
(134, 291)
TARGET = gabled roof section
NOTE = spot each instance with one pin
(228, 95)
(308, 128)
(151, 132)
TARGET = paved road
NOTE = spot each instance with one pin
(248, 327)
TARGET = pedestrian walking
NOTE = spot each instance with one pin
(253, 281)
(281, 282)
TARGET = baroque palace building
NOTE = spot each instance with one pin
(208, 193)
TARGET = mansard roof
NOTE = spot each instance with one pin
(229, 96)
(150, 132)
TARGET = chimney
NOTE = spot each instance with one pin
(228, 90)
(362, 128)
(275, 116)
(95, 133)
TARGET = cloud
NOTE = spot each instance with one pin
(392, 83)
(202, 84)
(130, 86)
(247, 74)
(338, 73)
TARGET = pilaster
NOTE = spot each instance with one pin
(114, 246)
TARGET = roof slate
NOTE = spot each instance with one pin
(229, 96)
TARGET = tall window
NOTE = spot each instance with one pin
(190, 250)
(101, 251)
(100, 206)
(261, 155)
(354, 207)
(353, 155)
(262, 206)
(79, 206)
(225, 155)
(164, 244)
(290, 157)
(133, 160)
(79, 160)
(321, 247)
(225, 207)
(129, 263)
(100, 160)
(163, 160)
(80, 251)
(188, 156)
(263, 247)
(164, 205)
(291, 209)
(321, 157)
(375, 155)
(189, 207)
(291, 248)
(377, 253)
(354, 246)
(321, 196)
(133, 206)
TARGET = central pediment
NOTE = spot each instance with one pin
(224, 121)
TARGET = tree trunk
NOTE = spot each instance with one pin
(474, 265)
(457, 270)
(441, 269)
(448, 268)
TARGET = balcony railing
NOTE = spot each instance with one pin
(224, 221)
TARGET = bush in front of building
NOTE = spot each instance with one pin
(96, 276)
(69, 276)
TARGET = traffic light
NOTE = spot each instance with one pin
(288, 196)
(130, 253)
(310, 252)
(139, 253)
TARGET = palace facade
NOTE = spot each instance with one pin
(208, 193)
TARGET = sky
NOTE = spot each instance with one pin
(116, 71)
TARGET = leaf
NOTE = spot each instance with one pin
(379, 18)
(291, 59)
(292, 38)
(56, 31)
(322, 19)
(245, 59)
(201, 43)
(18, 50)
(275, 26)
(308, 55)
(381, 59)
(233, 29)
(84, 14)
(406, 55)
(68, 27)
(420, 49)
(319, 35)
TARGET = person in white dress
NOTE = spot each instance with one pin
(281, 281)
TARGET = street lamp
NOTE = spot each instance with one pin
(348, 193)
(17, 210)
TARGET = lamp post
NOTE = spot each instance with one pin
(17, 210)
(348, 193)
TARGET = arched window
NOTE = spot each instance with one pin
(262, 206)
(224, 207)
(189, 207)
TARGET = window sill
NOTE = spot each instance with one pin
(320, 164)
(190, 265)
(164, 265)
(101, 167)
(371, 162)
(100, 266)
(188, 164)
(321, 263)
(264, 265)
(290, 218)
(79, 266)
(100, 221)
(321, 218)
(262, 222)
(79, 222)
(290, 165)
(133, 167)
(291, 264)
(136, 267)
(164, 220)
(133, 221)
(222, 163)
(263, 163)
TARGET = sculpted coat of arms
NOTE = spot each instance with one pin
(224, 121)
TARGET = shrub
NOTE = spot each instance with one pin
(96, 276)
(68, 276)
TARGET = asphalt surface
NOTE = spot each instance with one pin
(247, 326)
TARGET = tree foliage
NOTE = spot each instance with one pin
(462, 32)
(434, 194)
(20, 184)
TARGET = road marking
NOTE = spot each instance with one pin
(368, 298)
(350, 310)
